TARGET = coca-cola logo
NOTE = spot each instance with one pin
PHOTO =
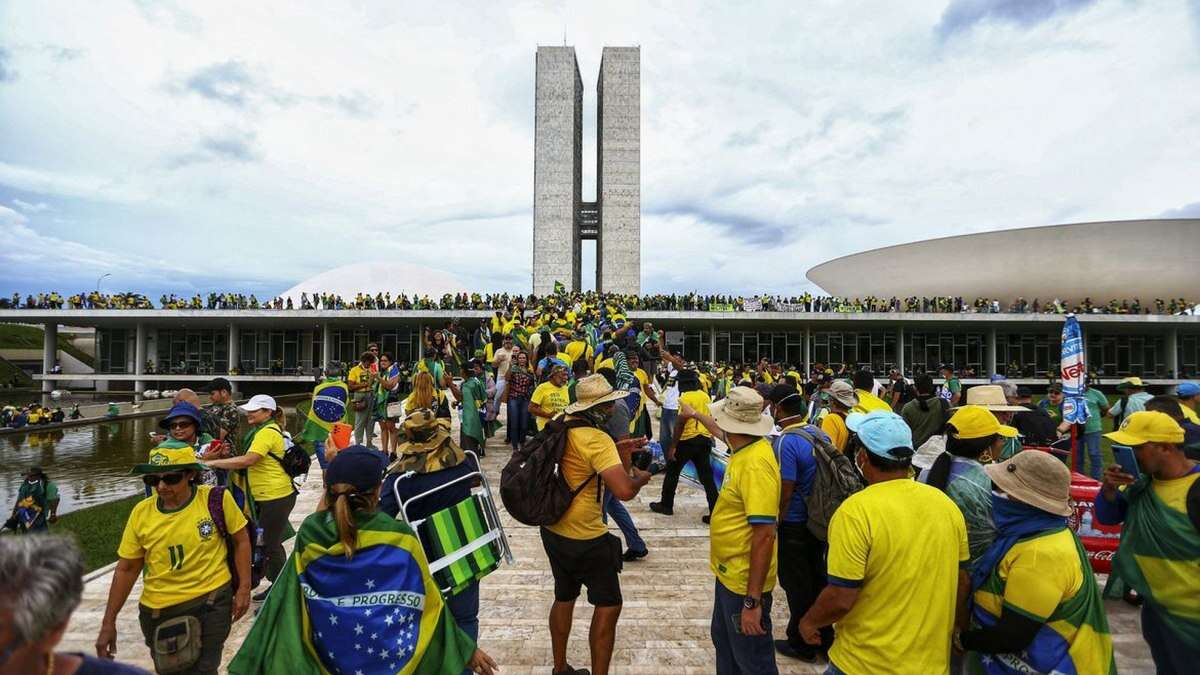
(1106, 555)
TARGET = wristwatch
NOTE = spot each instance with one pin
(749, 603)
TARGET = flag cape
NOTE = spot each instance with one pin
(378, 612)
(1074, 371)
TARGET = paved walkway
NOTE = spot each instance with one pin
(664, 626)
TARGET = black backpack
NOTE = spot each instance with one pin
(532, 486)
(295, 461)
(216, 511)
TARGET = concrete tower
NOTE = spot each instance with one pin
(561, 219)
(557, 169)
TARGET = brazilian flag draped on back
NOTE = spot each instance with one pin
(328, 406)
(377, 612)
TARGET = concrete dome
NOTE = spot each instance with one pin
(378, 277)
(1145, 259)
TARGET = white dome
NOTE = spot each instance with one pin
(377, 277)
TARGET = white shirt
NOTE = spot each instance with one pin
(670, 398)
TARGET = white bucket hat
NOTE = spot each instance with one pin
(991, 396)
(741, 413)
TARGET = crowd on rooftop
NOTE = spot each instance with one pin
(652, 302)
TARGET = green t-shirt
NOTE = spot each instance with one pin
(1094, 399)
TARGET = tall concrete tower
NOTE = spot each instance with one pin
(561, 219)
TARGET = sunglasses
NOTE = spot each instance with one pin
(168, 478)
(181, 424)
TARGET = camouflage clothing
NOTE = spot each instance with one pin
(224, 416)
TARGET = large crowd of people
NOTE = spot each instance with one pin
(504, 302)
(851, 492)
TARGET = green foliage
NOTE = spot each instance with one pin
(98, 529)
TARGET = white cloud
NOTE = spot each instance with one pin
(296, 139)
(31, 208)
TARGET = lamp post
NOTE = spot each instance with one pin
(102, 278)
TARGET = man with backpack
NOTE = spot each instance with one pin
(742, 552)
(577, 542)
(801, 553)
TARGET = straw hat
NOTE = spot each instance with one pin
(991, 396)
(427, 446)
(1035, 478)
(592, 391)
(741, 413)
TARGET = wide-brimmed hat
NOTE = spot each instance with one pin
(1131, 383)
(740, 412)
(182, 409)
(991, 396)
(844, 392)
(592, 391)
(169, 459)
(1147, 426)
(973, 421)
(427, 446)
(1035, 478)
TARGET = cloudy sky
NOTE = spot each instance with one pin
(231, 145)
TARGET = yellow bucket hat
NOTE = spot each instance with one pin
(1147, 427)
(973, 421)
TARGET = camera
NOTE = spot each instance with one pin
(641, 459)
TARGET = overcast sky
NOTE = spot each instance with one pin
(208, 145)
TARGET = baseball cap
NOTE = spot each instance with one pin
(219, 384)
(1131, 383)
(780, 392)
(357, 465)
(883, 432)
(1146, 426)
(974, 421)
(1187, 389)
(259, 402)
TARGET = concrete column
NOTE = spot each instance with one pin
(807, 351)
(900, 350)
(49, 358)
(989, 354)
(234, 355)
(1173, 353)
(712, 343)
(326, 343)
(139, 361)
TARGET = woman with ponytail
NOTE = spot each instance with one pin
(973, 437)
(357, 568)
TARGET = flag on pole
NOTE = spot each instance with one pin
(379, 611)
(1073, 373)
(328, 406)
(559, 289)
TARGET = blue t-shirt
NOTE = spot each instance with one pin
(797, 464)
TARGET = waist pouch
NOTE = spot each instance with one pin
(177, 641)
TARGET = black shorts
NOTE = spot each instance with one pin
(594, 563)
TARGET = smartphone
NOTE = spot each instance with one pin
(1127, 459)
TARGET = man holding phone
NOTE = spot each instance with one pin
(1160, 539)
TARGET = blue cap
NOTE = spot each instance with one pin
(882, 432)
(182, 409)
(357, 465)
(1187, 389)
(997, 377)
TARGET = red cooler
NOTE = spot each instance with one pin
(1100, 541)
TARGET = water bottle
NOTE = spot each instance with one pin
(1085, 525)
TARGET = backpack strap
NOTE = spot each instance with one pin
(575, 424)
(216, 509)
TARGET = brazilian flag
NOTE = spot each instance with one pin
(559, 289)
(379, 611)
(328, 406)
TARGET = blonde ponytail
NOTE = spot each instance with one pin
(346, 500)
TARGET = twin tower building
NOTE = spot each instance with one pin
(561, 219)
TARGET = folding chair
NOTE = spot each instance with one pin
(466, 540)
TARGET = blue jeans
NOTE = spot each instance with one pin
(739, 654)
(1091, 444)
(319, 449)
(464, 607)
(1172, 654)
(666, 427)
(518, 421)
(620, 515)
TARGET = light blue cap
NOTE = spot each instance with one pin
(882, 432)
(1187, 389)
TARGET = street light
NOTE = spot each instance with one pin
(102, 278)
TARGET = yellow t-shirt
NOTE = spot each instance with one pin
(1189, 414)
(589, 451)
(706, 383)
(605, 363)
(1038, 574)
(578, 349)
(183, 552)
(698, 400)
(268, 480)
(749, 496)
(549, 397)
(834, 426)
(868, 402)
(896, 541)
(358, 374)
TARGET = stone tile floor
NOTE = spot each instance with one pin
(664, 626)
